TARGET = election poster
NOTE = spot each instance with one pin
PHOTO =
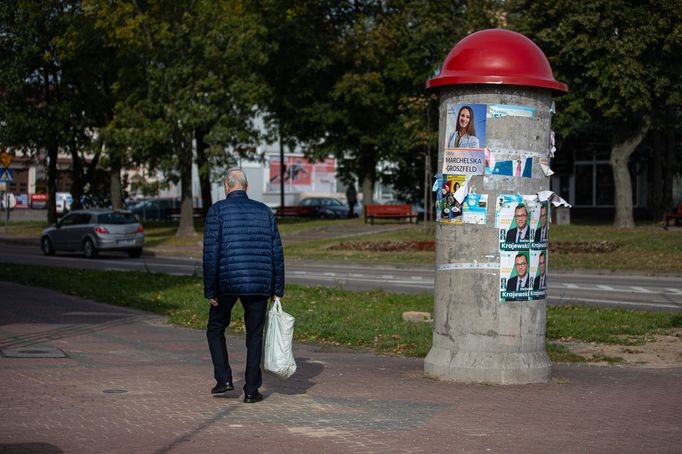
(512, 218)
(464, 161)
(449, 209)
(465, 126)
(515, 278)
(475, 208)
(538, 269)
(539, 220)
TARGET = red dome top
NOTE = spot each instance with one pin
(497, 56)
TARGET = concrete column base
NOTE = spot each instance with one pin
(488, 367)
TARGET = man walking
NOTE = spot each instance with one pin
(243, 260)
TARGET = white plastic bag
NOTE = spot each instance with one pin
(279, 356)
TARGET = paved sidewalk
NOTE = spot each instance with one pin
(132, 383)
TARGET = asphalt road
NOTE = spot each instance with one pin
(604, 290)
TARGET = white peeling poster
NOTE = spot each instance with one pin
(449, 208)
(464, 161)
(505, 110)
(475, 208)
(465, 126)
(515, 278)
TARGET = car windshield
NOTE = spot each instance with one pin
(329, 202)
(117, 218)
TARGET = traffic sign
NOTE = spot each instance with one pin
(7, 175)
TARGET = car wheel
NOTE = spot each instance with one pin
(89, 249)
(46, 246)
(135, 253)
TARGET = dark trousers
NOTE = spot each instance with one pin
(254, 318)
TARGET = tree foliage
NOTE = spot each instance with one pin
(620, 59)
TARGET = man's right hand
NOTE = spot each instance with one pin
(213, 301)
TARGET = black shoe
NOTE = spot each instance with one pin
(253, 398)
(222, 388)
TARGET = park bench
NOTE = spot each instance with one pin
(174, 213)
(295, 212)
(675, 215)
(403, 211)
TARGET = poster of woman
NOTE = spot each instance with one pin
(465, 127)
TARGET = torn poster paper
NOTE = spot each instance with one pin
(544, 165)
(464, 161)
(551, 197)
(504, 110)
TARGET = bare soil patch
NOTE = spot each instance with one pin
(660, 351)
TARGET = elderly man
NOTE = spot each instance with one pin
(243, 260)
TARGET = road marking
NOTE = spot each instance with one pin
(387, 276)
(606, 287)
(329, 274)
(641, 290)
(615, 303)
(675, 291)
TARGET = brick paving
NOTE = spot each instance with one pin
(132, 383)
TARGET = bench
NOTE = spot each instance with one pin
(403, 211)
(174, 213)
(295, 212)
(675, 215)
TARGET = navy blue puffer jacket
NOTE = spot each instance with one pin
(242, 249)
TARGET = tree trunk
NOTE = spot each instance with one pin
(115, 185)
(186, 227)
(668, 166)
(204, 172)
(623, 146)
(656, 196)
(52, 152)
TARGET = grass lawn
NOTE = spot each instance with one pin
(366, 319)
(646, 248)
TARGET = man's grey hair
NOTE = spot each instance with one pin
(236, 178)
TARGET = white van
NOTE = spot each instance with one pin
(63, 201)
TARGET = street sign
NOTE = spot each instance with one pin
(7, 175)
(5, 159)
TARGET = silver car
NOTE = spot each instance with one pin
(94, 230)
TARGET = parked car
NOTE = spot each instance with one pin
(326, 207)
(155, 209)
(94, 230)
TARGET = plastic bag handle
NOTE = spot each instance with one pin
(277, 304)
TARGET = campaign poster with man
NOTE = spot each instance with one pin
(515, 277)
(538, 271)
(540, 223)
(513, 220)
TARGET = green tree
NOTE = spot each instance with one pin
(50, 84)
(200, 62)
(621, 61)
